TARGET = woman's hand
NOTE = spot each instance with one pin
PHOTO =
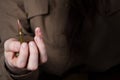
(31, 54)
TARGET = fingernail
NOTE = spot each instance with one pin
(31, 43)
(38, 31)
(24, 45)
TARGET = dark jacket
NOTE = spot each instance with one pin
(93, 36)
(98, 33)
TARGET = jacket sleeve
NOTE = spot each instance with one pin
(6, 75)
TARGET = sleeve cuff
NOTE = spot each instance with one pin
(27, 76)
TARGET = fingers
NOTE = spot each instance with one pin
(23, 56)
(33, 58)
(29, 53)
(38, 32)
(28, 57)
(41, 45)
